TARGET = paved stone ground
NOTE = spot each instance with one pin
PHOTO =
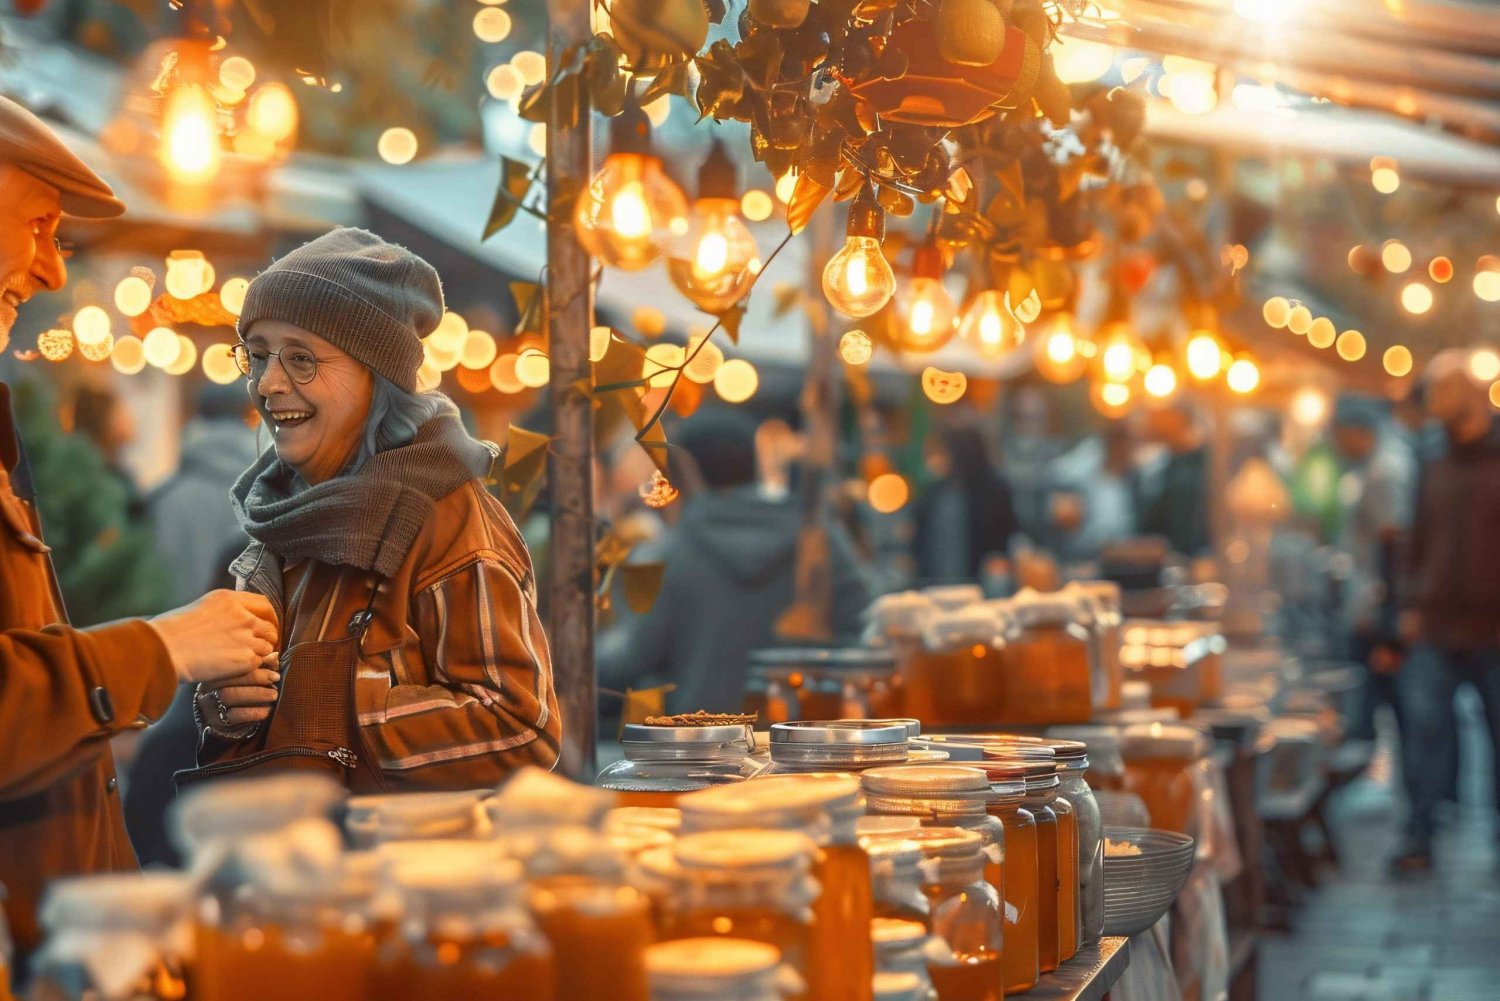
(1364, 936)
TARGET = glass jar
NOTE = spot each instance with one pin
(899, 619)
(1047, 670)
(417, 816)
(714, 969)
(906, 947)
(827, 682)
(965, 664)
(464, 931)
(1102, 599)
(296, 923)
(210, 818)
(661, 818)
(752, 884)
(1069, 847)
(965, 915)
(114, 938)
(1159, 763)
(835, 745)
(902, 987)
(941, 795)
(663, 762)
(824, 807)
(896, 879)
(1057, 853)
(598, 925)
(1072, 757)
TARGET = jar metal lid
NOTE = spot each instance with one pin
(756, 797)
(838, 732)
(938, 842)
(884, 824)
(942, 781)
(913, 726)
(831, 658)
(641, 733)
(742, 849)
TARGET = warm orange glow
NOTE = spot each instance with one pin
(736, 381)
(132, 296)
(757, 205)
(1276, 311)
(129, 356)
(1243, 376)
(273, 112)
(855, 348)
(1416, 298)
(1205, 356)
(1351, 345)
(397, 146)
(1160, 381)
(232, 294)
(888, 493)
(91, 325)
(478, 350)
(1397, 360)
(1322, 333)
(219, 366)
(190, 135)
(1395, 257)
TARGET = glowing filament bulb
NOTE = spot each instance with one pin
(712, 256)
(858, 280)
(628, 212)
(190, 136)
(921, 317)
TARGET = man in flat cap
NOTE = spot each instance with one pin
(64, 692)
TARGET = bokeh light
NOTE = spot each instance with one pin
(1397, 360)
(1484, 365)
(1243, 376)
(397, 145)
(756, 205)
(91, 325)
(888, 493)
(1160, 380)
(1416, 298)
(491, 25)
(1322, 333)
(132, 296)
(219, 366)
(855, 347)
(736, 381)
(1299, 320)
(533, 369)
(232, 294)
(129, 355)
(1395, 257)
(1276, 311)
(1351, 345)
(160, 347)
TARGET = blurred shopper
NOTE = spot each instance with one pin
(190, 511)
(101, 417)
(965, 516)
(64, 692)
(730, 573)
(415, 654)
(1450, 599)
(1175, 505)
(1094, 498)
(1378, 490)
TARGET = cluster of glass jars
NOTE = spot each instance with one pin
(1029, 660)
(842, 861)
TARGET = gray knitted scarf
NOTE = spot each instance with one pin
(367, 519)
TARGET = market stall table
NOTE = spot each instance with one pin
(1088, 976)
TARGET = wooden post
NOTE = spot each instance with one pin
(570, 313)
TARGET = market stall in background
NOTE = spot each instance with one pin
(1073, 758)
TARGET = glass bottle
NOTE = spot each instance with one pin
(1056, 854)
(830, 682)
(464, 930)
(420, 816)
(1047, 671)
(968, 688)
(1072, 758)
(823, 806)
(750, 884)
(114, 938)
(1159, 762)
(663, 762)
(599, 926)
(965, 915)
(714, 969)
(898, 619)
(903, 986)
(1103, 598)
(209, 819)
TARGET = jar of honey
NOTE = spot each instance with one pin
(598, 925)
(1072, 757)
(835, 745)
(903, 987)
(210, 818)
(417, 816)
(115, 937)
(941, 795)
(464, 930)
(1159, 768)
(896, 879)
(827, 682)
(824, 807)
(906, 947)
(964, 650)
(1048, 672)
(714, 969)
(965, 911)
(663, 762)
(1101, 598)
(752, 884)
(898, 620)
(294, 921)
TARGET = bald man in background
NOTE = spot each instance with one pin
(64, 692)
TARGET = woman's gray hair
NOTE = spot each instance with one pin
(394, 417)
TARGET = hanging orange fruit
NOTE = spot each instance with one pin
(970, 32)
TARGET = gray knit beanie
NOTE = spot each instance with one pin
(369, 298)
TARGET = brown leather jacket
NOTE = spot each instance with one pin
(453, 679)
(63, 692)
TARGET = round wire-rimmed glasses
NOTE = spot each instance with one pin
(300, 364)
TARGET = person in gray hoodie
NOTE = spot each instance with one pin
(730, 568)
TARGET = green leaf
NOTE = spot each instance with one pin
(515, 181)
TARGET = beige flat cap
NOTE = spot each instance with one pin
(27, 142)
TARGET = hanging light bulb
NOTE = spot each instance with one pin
(924, 310)
(190, 135)
(858, 280)
(1204, 356)
(1160, 380)
(989, 328)
(1058, 358)
(710, 263)
(1122, 354)
(631, 207)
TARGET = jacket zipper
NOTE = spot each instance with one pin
(342, 755)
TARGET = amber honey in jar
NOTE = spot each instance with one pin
(899, 619)
(829, 682)
(597, 924)
(896, 880)
(464, 930)
(751, 884)
(1048, 672)
(965, 912)
(824, 807)
(1101, 601)
(140, 922)
(715, 969)
(1160, 759)
(965, 645)
(663, 762)
(905, 947)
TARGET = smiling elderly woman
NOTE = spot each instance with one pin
(411, 651)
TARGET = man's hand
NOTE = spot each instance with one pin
(223, 634)
(246, 698)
